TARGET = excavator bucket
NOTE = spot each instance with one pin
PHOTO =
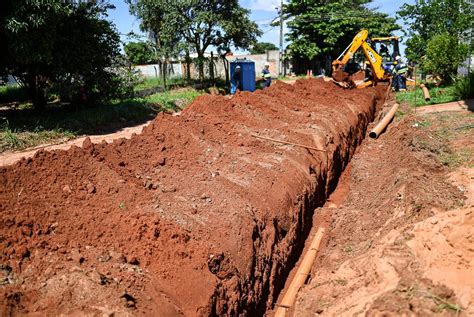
(341, 78)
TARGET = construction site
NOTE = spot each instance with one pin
(327, 196)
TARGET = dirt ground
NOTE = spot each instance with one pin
(8, 158)
(197, 216)
(194, 216)
(400, 225)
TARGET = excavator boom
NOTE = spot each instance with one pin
(374, 59)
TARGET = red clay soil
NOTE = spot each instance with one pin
(194, 216)
(399, 238)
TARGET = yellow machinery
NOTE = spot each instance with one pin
(376, 63)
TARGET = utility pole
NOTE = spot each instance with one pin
(280, 61)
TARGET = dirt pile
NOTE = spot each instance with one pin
(400, 234)
(194, 216)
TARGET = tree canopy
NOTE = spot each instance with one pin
(443, 56)
(67, 45)
(324, 28)
(428, 18)
(139, 53)
(262, 47)
(195, 25)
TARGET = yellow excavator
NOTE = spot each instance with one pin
(378, 65)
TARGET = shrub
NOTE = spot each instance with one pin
(444, 54)
(464, 87)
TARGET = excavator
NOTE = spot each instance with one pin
(342, 70)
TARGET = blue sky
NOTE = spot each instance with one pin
(263, 11)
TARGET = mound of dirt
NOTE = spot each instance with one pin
(194, 216)
(400, 235)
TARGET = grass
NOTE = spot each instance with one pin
(13, 93)
(438, 95)
(150, 82)
(175, 98)
(22, 128)
(443, 132)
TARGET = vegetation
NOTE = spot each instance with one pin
(139, 53)
(428, 18)
(462, 88)
(323, 29)
(25, 128)
(63, 45)
(438, 95)
(10, 94)
(262, 48)
(185, 26)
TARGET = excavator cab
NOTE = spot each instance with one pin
(388, 48)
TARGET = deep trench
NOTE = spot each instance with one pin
(325, 185)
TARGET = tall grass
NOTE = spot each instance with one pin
(464, 87)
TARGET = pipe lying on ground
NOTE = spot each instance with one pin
(301, 275)
(383, 123)
(426, 92)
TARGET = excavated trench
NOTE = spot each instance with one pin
(195, 216)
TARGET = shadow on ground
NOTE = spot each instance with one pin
(99, 119)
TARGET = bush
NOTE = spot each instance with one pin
(444, 55)
(464, 87)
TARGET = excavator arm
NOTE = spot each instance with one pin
(375, 61)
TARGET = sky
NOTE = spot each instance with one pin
(262, 12)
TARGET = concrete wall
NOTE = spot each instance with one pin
(178, 68)
(154, 70)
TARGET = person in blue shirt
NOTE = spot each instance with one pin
(236, 82)
(266, 76)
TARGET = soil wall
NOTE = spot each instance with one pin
(194, 216)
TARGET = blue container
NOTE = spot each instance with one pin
(247, 73)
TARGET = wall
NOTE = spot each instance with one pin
(178, 68)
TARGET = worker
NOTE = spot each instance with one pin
(266, 76)
(236, 82)
(385, 53)
(399, 81)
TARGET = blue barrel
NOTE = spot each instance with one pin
(247, 73)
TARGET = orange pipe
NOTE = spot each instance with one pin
(426, 92)
(383, 123)
(301, 275)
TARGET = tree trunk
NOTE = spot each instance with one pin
(37, 92)
(164, 72)
(211, 68)
(200, 62)
(226, 69)
(188, 67)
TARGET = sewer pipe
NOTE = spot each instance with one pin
(384, 122)
(426, 92)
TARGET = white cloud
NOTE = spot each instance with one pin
(264, 5)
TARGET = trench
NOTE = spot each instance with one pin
(288, 245)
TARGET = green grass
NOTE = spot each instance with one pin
(22, 128)
(148, 83)
(175, 98)
(438, 95)
(10, 94)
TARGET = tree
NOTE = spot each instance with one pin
(322, 29)
(59, 43)
(262, 48)
(198, 24)
(139, 53)
(443, 56)
(428, 18)
(163, 29)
